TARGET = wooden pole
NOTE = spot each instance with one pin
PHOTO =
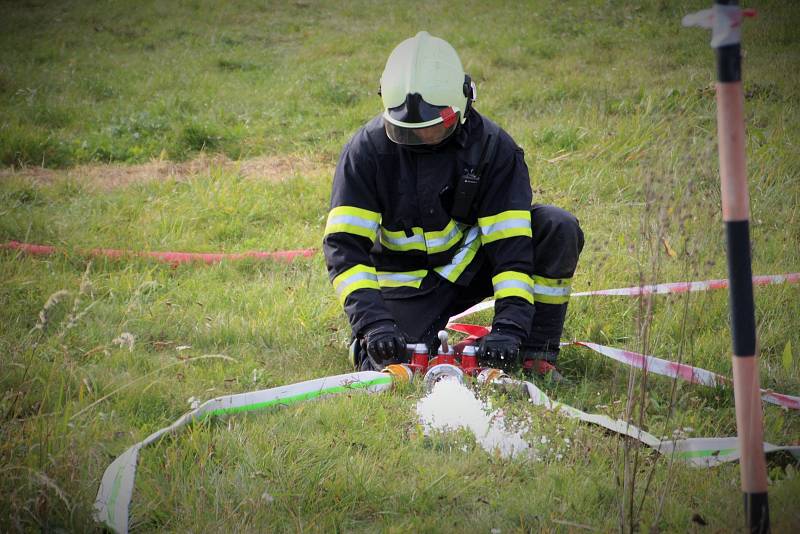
(736, 216)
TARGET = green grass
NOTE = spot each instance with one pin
(614, 107)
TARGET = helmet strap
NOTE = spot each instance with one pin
(470, 91)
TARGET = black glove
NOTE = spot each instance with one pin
(500, 345)
(384, 342)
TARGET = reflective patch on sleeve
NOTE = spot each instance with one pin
(356, 277)
(551, 290)
(401, 279)
(512, 223)
(462, 258)
(351, 220)
(513, 284)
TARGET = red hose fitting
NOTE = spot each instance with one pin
(419, 358)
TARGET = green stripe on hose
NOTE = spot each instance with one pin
(114, 493)
(704, 454)
(286, 401)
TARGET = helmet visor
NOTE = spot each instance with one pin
(414, 109)
(428, 135)
(416, 122)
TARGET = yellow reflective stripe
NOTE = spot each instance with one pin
(453, 270)
(443, 239)
(430, 242)
(547, 299)
(512, 223)
(368, 215)
(401, 279)
(551, 290)
(513, 284)
(356, 277)
(397, 240)
(352, 220)
(504, 216)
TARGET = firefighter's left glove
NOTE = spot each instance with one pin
(501, 346)
(385, 343)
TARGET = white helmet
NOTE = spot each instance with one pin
(425, 91)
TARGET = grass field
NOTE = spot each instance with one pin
(201, 126)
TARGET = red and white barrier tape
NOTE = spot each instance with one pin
(651, 364)
(657, 289)
(289, 255)
(685, 287)
(174, 258)
(695, 375)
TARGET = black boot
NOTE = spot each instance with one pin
(544, 340)
(539, 352)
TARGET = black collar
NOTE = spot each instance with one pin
(465, 131)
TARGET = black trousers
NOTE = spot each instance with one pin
(557, 244)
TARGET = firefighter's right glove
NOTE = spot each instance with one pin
(385, 343)
(500, 346)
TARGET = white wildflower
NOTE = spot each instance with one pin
(679, 433)
(52, 301)
(257, 373)
(125, 339)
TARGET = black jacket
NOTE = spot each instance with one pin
(390, 234)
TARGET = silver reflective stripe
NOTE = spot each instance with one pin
(505, 225)
(355, 277)
(355, 221)
(507, 284)
(401, 241)
(398, 277)
(460, 256)
(441, 241)
(563, 291)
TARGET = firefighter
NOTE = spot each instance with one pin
(431, 213)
